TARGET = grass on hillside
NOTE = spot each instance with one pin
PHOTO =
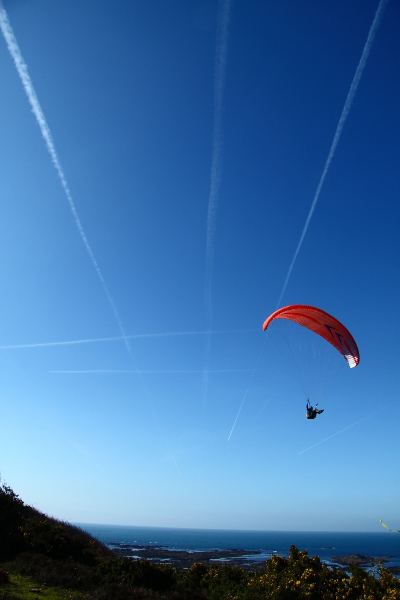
(22, 587)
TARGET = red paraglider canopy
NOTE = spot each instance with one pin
(324, 325)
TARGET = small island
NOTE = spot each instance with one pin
(359, 559)
(364, 561)
(186, 558)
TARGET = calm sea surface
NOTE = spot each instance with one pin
(323, 544)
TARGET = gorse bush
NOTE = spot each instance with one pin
(299, 577)
(8, 596)
(192, 580)
(139, 573)
(4, 578)
(124, 592)
(42, 569)
(13, 515)
(60, 541)
(121, 592)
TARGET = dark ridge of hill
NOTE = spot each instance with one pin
(25, 529)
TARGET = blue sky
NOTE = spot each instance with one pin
(92, 432)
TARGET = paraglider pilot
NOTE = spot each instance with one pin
(312, 412)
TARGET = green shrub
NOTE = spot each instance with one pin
(297, 577)
(300, 577)
(191, 580)
(13, 515)
(116, 591)
(68, 574)
(25, 529)
(137, 573)
(4, 578)
(8, 596)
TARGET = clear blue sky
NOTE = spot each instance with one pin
(127, 89)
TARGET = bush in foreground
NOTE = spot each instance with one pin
(137, 573)
(4, 578)
(68, 574)
(299, 577)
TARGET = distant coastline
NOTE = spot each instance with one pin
(245, 547)
(247, 559)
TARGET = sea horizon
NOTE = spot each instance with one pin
(80, 524)
(324, 544)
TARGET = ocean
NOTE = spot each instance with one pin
(322, 544)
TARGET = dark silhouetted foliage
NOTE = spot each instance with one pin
(123, 592)
(13, 515)
(42, 569)
(192, 580)
(4, 578)
(25, 529)
(138, 573)
(8, 596)
(116, 591)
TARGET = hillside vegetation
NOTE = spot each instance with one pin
(43, 557)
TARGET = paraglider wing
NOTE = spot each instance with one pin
(384, 525)
(324, 325)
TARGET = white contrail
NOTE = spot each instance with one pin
(146, 372)
(219, 83)
(173, 460)
(247, 390)
(262, 409)
(71, 343)
(342, 120)
(119, 338)
(22, 70)
(348, 427)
